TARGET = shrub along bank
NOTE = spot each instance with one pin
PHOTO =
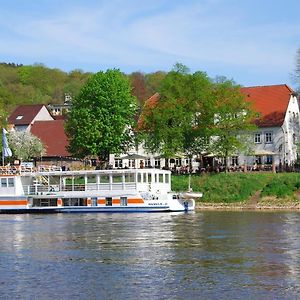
(241, 187)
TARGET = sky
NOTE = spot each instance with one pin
(253, 42)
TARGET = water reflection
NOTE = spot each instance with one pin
(158, 256)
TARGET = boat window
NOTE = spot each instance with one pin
(104, 178)
(10, 182)
(74, 202)
(139, 177)
(91, 179)
(167, 178)
(144, 177)
(149, 177)
(161, 178)
(123, 201)
(108, 201)
(53, 180)
(94, 201)
(117, 178)
(155, 177)
(3, 182)
(129, 177)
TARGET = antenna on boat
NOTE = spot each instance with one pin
(189, 188)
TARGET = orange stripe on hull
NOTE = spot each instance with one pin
(118, 201)
(13, 202)
(135, 201)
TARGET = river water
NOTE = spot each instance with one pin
(202, 255)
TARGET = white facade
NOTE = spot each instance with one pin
(271, 146)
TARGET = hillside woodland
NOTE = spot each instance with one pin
(38, 84)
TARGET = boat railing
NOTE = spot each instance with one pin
(7, 170)
(45, 168)
(37, 189)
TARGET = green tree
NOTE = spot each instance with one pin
(233, 120)
(195, 114)
(25, 145)
(102, 116)
(153, 82)
(172, 124)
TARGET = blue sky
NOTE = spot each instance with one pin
(253, 42)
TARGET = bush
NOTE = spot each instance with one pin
(282, 186)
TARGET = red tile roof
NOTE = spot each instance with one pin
(270, 101)
(52, 134)
(27, 111)
(150, 103)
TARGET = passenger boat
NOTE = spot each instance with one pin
(52, 190)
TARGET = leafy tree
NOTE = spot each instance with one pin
(194, 114)
(25, 145)
(139, 89)
(233, 120)
(102, 116)
(172, 124)
(153, 82)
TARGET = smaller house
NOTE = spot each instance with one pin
(24, 116)
(61, 109)
(50, 130)
(53, 136)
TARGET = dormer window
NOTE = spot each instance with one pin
(19, 117)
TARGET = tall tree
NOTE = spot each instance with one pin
(233, 120)
(153, 82)
(195, 114)
(138, 83)
(171, 125)
(102, 116)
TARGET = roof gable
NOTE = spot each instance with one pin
(25, 114)
(270, 101)
(53, 136)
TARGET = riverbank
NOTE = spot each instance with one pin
(244, 191)
(264, 205)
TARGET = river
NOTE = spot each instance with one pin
(201, 255)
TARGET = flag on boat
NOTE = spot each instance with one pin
(5, 148)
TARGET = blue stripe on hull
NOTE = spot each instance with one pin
(125, 209)
(112, 209)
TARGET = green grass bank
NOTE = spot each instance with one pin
(245, 190)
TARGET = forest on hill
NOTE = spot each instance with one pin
(38, 84)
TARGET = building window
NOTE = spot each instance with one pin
(178, 162)
(257, 138)
(131, 163)
(269, 160)
(147, 162)
(269, 137)
(234, 161)
(118, 163)
(157, 163)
